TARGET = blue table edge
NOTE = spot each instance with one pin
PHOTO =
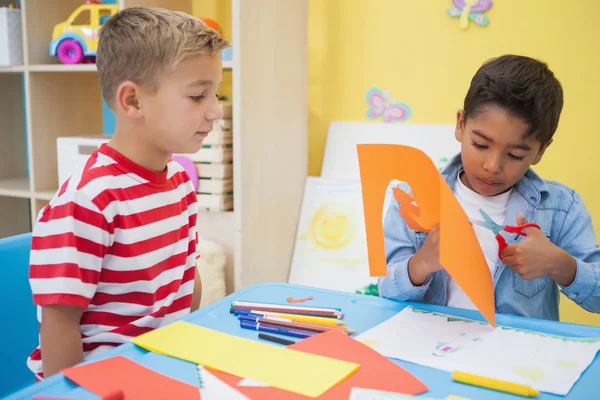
(529, 323)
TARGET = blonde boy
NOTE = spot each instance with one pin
(113, 254)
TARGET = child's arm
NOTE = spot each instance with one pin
(197, 294)
(408, 270)
(68, 246)
(573, 262)
(578, 239)
(60, 338)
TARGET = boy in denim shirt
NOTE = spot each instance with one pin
(510, 114)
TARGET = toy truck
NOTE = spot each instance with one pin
(75, 41)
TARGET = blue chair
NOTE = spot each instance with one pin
(19, 332)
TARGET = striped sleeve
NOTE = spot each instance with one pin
(69, 242)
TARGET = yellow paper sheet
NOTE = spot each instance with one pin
(280, 367)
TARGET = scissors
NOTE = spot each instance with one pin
(494, 227)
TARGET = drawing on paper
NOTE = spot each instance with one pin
(546, 362)
(331, 246)
(445, 348)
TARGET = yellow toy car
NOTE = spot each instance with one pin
(75, 40)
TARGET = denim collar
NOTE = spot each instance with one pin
(531, 186)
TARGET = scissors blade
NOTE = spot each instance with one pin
(487, 225)
(486, 217)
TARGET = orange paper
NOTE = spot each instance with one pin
(107, 376)
(460, 253)
(375, 372)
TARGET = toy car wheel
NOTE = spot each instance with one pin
(70, 52)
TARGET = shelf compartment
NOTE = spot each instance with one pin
(15, 217)
(13, 147)
(59, 107)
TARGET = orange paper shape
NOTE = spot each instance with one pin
(375, 372)
(411, 213)
(135, 381)
(460, 252)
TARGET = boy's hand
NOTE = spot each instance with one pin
(427, 259)
(60, 338)
(536, 257)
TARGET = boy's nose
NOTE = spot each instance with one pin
(493, 165)
(213, 113)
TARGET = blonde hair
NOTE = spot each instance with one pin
(138, 44)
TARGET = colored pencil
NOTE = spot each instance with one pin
(294, 324)
(288, 308)
(323, 314)
(275, 339)
(302, 318)
(257, 326)
(259, 304)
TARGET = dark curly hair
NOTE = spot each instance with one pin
(523, 86)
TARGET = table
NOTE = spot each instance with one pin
(362, 312)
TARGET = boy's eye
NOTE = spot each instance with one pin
(517, 158)
(479, 146)
(197, 98)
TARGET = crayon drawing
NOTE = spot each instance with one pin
(330, 250)
(545, 362)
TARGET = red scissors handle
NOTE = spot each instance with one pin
(501, 244)
(512, 229)
(519, 228)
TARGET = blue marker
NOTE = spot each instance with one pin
(258, 326)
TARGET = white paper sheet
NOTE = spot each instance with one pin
(371, 394)
(212, 388)
(331, 245)
(545, 362)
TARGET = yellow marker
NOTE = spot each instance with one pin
(494, 384)
(302, 318)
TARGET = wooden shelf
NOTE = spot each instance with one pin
(15, 187)
(63, 68)
(54, 100)
(46, 195)
(13, 69)
(14, 216)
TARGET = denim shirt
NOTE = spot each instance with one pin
(562, 217)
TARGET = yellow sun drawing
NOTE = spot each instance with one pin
(332, 226)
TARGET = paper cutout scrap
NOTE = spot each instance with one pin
(411, 213)
(106, 377)
(281, 367)
(301, 300)
(460, 252)
(376, 371)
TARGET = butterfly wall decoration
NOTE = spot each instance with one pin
(470, 10)
(382, 105)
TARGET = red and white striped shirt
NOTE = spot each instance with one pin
(119, 241)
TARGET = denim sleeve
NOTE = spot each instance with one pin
(577, 237)
(400, 246)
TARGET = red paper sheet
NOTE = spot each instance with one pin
(107, 376)
(375, 372)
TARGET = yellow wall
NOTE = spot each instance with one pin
(412, 49)
(420, 55)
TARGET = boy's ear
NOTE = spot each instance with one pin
(128, 100)
(541, 152)
(460, 125)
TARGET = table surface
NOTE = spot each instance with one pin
(361, 313)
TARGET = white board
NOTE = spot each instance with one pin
(341, 161)
(330, 251)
